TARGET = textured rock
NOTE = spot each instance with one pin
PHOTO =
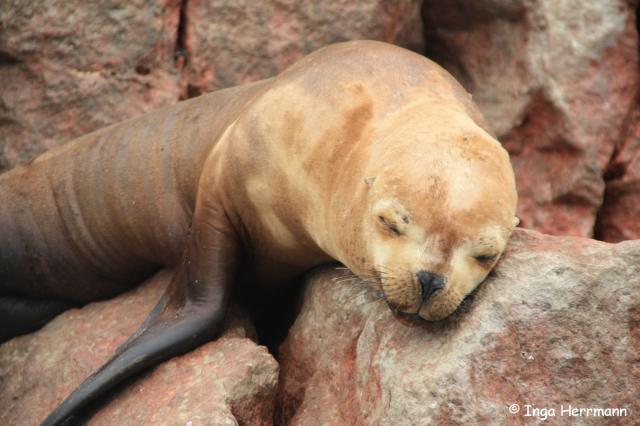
(226, 381)
(619, 217)
(556, 79)
(69, 67)
(234, 42)
(557, 323)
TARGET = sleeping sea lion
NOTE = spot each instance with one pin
(361, 152)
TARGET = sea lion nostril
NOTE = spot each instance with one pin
(430, 283)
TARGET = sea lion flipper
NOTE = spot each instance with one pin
(189, 313)
(153, 346)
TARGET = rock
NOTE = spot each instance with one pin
(69, 67)
(618, 219)
(38, 370)
(557, 323)
(556, 80)
(229, 43)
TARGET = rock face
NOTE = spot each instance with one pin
(227, 381)
(619, 217)
(557, 324)
(559, 82)
(71, 67)
(233, 42)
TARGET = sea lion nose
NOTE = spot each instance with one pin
(430, 283)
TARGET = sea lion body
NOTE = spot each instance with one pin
(94, 217)
(362, 152)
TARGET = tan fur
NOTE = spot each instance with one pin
(362, 152)
(301, 166)
(401, 140)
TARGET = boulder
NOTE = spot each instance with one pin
(69, 67)
(619, 217)
(557, 324)
(233, 42)
(228, 381)
(557, 80)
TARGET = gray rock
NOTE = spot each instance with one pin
(556, 324)
(69, 67)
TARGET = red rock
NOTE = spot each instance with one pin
(226, 381)
(556, 80)
(619, 217)
(70, 67)
(235, 42)
(556, 323)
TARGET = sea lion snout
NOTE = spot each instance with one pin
(430, 283)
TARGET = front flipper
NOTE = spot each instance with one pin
(190, 312)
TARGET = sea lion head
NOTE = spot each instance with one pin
(440, 206)
(397, 174)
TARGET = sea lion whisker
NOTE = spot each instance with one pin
(372, 280)
(345, 280)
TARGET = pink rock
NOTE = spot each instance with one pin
(557, 323)
(226, 381)
(71, 67)
(556, 80)
(235, 42)
(619, 217)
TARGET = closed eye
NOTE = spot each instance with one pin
(486, 259)
(389, 225)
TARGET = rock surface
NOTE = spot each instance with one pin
(71, 67)
(227, 381)
(557, 80)
(557, 323)
(235, 42)
(619, 217)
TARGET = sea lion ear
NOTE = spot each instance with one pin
(369, 181)
(516, 221)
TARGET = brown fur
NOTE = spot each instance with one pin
(269, 177)
(114, 221)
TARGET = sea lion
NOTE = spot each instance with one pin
(361, 152)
